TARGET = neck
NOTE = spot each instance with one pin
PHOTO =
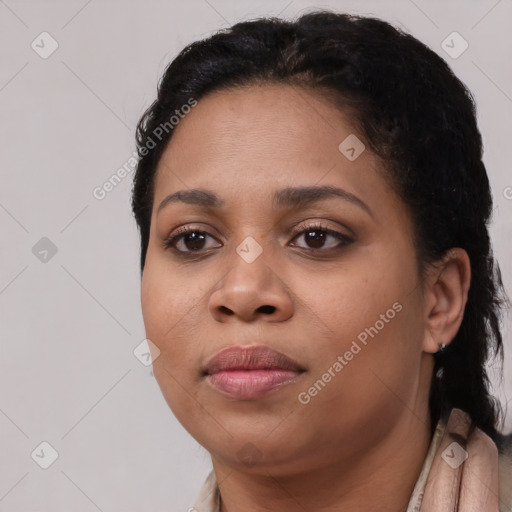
(380, 480)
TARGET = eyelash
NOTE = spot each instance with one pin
(169, 241)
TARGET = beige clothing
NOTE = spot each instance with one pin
(208, 497)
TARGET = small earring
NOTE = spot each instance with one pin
(442, 346)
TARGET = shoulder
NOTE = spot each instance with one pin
(504, 444)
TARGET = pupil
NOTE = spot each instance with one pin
(194, 238)
(319, 241)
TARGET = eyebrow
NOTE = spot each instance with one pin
(291, 197)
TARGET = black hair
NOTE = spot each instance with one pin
(412, 111)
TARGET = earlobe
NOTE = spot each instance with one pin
(431, 345)
(446, 299)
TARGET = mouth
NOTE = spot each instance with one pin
(250, 372)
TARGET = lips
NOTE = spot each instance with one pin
(250, 358)
(248, 373)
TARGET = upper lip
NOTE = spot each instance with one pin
(252, 357)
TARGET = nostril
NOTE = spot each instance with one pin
(267, 309)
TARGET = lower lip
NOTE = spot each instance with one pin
(250, 384)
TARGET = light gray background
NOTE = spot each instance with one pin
(69, 325)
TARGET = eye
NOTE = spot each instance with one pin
(189, 238)
(317, 234)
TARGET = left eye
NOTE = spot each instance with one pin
(317, 235)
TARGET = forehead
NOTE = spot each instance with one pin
(264, 138)
(268, 114)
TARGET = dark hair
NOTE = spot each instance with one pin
(412, 111)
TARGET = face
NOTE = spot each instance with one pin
(327, 279)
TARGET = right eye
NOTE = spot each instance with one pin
(189, 238)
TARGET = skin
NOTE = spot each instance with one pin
(360, 443)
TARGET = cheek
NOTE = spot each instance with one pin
(165, 297)
(161, 309)
(173, 313)
(370, 318)
(154, 304)
(167, 309)
(380, 355)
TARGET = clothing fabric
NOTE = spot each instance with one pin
(460, 473)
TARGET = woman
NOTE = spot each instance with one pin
(318, 283)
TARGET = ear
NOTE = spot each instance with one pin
(446, 294)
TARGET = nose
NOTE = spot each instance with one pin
(251, 291)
